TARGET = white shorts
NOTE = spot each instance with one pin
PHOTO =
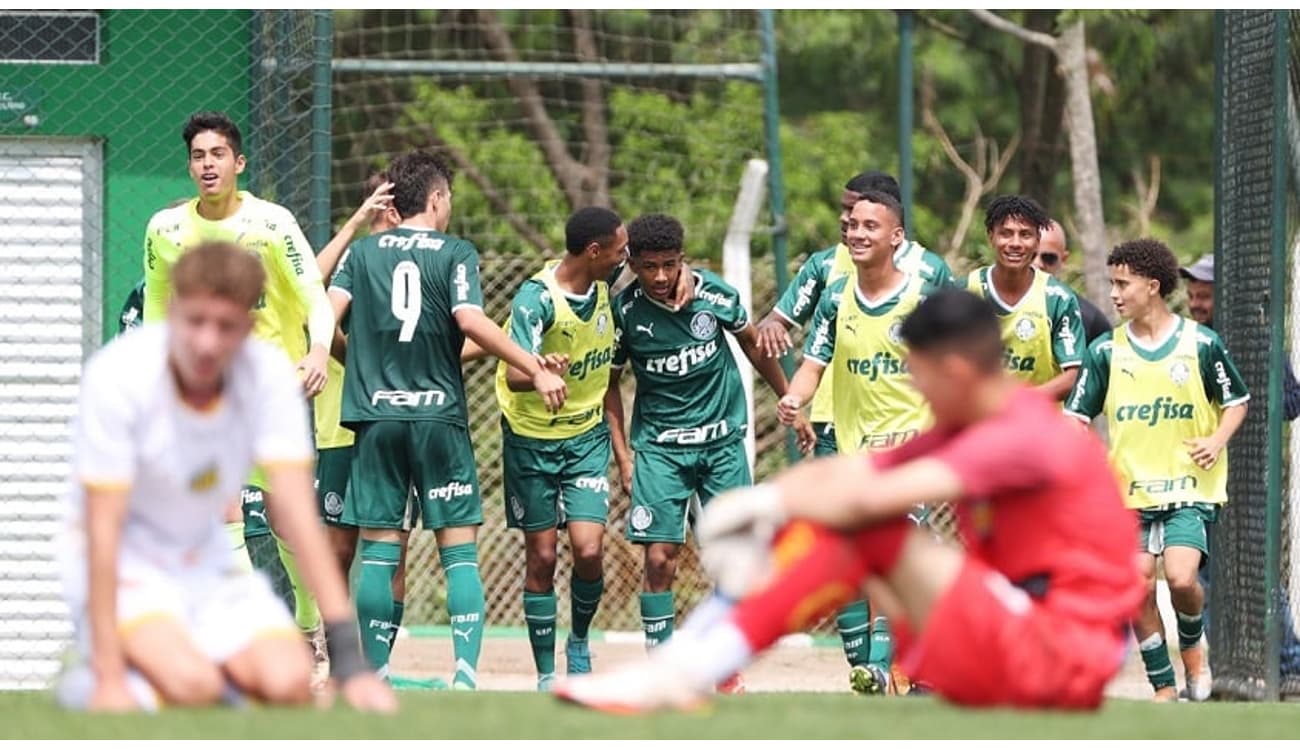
(222, 608)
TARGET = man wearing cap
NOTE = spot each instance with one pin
(1051, 257)
(1200, 303)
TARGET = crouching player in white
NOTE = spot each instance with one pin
(171, 419)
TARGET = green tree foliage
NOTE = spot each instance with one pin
(679, 145)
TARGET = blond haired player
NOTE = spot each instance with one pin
(171, 419)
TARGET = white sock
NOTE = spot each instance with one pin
(710, 612)
(709, 657)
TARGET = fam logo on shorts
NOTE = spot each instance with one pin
(1179, 372)
(1025, 329)
(517, 508)
(641, 519)
(333, 504)
(704, 325)
(895, 332)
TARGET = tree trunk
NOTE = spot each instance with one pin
(1071, 50)
(1042, 105)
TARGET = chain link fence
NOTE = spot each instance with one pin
(540, 111)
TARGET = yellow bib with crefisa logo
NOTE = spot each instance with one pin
(1151, 407)
(1026, 330)
(590, 345)
(876, 405)
(823, 403)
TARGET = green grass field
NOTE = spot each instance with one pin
(760, 716)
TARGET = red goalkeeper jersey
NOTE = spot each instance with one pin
(1042, 506)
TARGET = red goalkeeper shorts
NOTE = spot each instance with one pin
(987, 643)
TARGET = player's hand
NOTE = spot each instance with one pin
(684, 294)
(625, 476)
(1204, 451)
(557, 362)
(787, 409)
(366, 692)
(805, 435)
(112, 696)
(773, 338)
(551, 388)
(372, 206)
(312, 370)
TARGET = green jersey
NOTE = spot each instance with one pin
(824, 267)
(688, 389)
(403, 361)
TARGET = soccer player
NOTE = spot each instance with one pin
(690, 417)
(1041, 325)
(1031, 612)
(414, 295)
(170, 421)
(855, 336)
(797, 304)
(1172, 398)
(556, 464)
(1053, 252)
(294, 298)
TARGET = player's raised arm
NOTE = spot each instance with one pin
(376, 204)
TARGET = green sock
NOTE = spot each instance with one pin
(539, 614)
(265, 556)
(1190, 628)
(466, 605)
(375, 600)
(584, 598)
(399, 609)
(1155, 655)
(854, 624)
(882, 643)
(657, 617)
(305, 611)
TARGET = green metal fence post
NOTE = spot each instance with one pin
(776, 180)
(321, 109)
(1277, 340)
(905, 22)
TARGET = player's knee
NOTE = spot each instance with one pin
(540, 563)
(1182, 582)
(660, 567)
(587, 554)
(288, 685)
(195, 683)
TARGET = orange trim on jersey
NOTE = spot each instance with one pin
(794, 544)
(107, 485)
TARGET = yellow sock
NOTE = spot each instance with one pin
(305, 611)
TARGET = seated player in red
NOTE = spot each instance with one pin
(1032, 611)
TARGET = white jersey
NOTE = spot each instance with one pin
(183, 467)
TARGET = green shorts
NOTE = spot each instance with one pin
(1183, 526)
(825, 445)
(665, 480)
(332, 466)
(252, 501)
(392, 459)
(551, 482)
